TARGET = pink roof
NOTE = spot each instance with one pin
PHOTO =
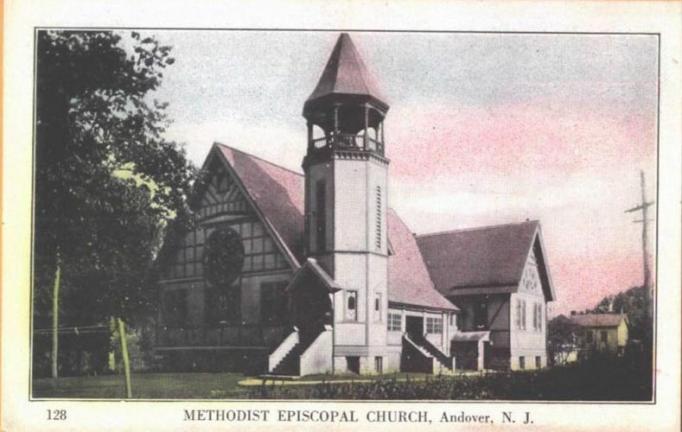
(345, 73)
(278, 194)
(408, 277)
(478, 260)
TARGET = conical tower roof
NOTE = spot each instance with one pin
(346, 75)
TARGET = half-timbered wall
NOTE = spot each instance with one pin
(193, 311)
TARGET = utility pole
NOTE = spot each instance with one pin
(644, 208)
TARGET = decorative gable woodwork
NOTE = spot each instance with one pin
(223, 205)
(222, 196)
(530, 282)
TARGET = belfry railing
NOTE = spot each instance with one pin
(346, 141)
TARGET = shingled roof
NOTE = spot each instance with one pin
(408, 277)
(598, 320)
(278, 193)
(346, 74)
(483, 260)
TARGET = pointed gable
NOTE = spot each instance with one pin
(220, 194)
(276, 191)
(483, 260)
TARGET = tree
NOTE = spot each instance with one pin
(561, 339)
(632, 302)
(106, 181)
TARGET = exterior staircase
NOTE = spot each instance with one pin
(430, 350)
(290, 365)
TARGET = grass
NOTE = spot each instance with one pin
(596, 381)
(145, 386)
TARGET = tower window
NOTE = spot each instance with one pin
(351, 305)
(378, 218)
(320, 215)
(377, 307)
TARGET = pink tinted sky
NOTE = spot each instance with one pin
(483, 129)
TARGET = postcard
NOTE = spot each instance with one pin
(387, 215)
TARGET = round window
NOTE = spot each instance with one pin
(223, 257)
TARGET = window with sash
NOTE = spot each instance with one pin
(351, 305)
(434, 325)
(395, 322)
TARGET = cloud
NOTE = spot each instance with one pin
(483, 129)
(275, 142)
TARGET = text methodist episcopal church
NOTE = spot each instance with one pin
(292, 274)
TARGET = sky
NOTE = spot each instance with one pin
(482, 129)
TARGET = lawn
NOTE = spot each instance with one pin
(611, 380)
(145, 386)
(178, 385)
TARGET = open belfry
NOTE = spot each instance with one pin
(296, 274)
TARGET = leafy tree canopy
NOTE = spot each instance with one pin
(106, 179)
(633, 303)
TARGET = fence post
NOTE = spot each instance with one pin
(124, 354)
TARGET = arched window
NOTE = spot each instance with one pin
(351, 305)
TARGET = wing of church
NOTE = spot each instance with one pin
(294, 274)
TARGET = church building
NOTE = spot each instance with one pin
(289, 273)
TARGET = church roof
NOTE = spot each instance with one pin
(482, 260)
(276, 191)
(408, 277)
(346, 74)
(598, 320)
(278, 194)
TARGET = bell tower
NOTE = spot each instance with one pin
(346, 194)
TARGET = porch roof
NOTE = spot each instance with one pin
(473, 336)
(311, 267)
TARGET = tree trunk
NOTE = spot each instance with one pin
(124, 356)
(55, 317)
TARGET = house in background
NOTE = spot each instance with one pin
(294, 274)
(601, 332)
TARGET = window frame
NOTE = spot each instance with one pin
(480, 320)
(434, 325)
(378, 307)
(348, 315)
(391, 322)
